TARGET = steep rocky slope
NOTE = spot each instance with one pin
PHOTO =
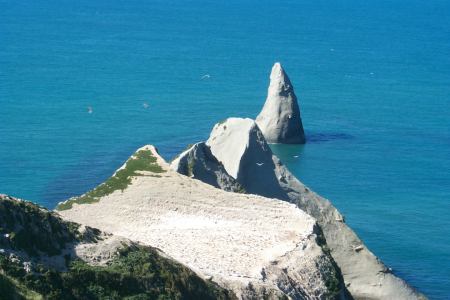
(255, 246)
(240, 147)
(44, 257)
(199, 163)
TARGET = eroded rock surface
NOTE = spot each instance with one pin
(280, 119)
(255, 246)
(43, 256)
(239, 146)
(199, 163)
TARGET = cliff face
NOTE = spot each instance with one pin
(199, 163)
(255, 246)
(280, 119)
(239, 146)
(43, 256)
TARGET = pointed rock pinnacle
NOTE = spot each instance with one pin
(280, 119)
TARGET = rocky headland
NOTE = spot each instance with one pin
(240, 147)
(252, 245)
(224, 220)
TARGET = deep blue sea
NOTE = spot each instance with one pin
(373, 79)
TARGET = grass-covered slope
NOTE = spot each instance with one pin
(135, 273)
(142, 160)
(31, 236)
(33, 230)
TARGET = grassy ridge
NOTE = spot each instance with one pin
(143, 160)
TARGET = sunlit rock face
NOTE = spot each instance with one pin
(198, 162)
(259, 248)
(239, 145)
(280, 119)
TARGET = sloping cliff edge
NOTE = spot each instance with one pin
(257, 247)
(45, 257)
(238, 149)
(219, 234)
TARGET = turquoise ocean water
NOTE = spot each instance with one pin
(373, 78)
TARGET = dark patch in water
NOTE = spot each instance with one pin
(327, 137)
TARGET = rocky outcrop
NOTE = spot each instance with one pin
(45, 257)
(241, 138)
(280, 119)
(255, 246)
(197, 162)
(239, 146)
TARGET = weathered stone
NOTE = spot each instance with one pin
(199, 163)
(280, 119)
(239, 146)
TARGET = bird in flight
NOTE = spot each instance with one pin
(206, 76)
(259, 164)
(89, 109)
(145, 105)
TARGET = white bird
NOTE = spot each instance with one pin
(295, 156)
(145, 105)
(206, 76)
(259, 164)
(89, 109)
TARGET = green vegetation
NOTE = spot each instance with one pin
(8, 290)
(190, 166)
(143, 160)
(12, 290)
(333, 273)
(136, 273)
(33, 229)
(240, 189)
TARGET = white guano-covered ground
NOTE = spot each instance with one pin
(224, 235)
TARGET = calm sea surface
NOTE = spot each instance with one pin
(373, 78)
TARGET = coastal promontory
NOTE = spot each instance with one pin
(254, 246)
(240, 148)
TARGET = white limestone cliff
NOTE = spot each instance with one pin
(199, 163)
(280, 119)
(238, 145)
(240, 138)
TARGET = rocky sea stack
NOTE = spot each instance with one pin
(280, 119)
